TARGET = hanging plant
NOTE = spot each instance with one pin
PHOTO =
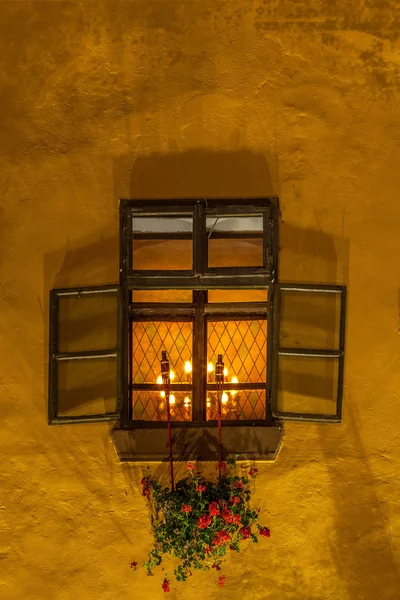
(199, 521)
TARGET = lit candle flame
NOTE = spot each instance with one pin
(186, 401)
(224, 398)
(162, 394)
(234, 380)
(159, 380)
(210, 367)
(171, 375)
(172, 399)
(188, 366)
(225, 372)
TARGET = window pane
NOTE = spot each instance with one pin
(168, 224)
(149, 339)
(162, 255)
(151, 406)
(307, 385)
(309, 320)
(237, 405)
(236, 252)
(243, 345)
(162, 243)
(226, 245)
(87, 322)
(237, 296)
(87, 387)
(162, 295)
(235, 223)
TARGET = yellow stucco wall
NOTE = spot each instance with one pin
(101, 100)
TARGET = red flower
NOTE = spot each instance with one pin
(147, 486)
(221, 537)
(239, 485)
(190, 466)
(208, 550)
(204, 521)
(264, 531)
(217, 542)
(146, 491)
(245, 532)
(216, 567)
(223, 465)
(213, 508)
(186, 508)
(165, 585)
(235, 499)
(133, 565)
(235, 519)
(253, 472)
(226, 515)
(200, 488)
(222, 580)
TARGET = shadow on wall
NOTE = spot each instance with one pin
(201, 174)
(361, 541)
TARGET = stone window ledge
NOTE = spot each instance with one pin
(198, 443)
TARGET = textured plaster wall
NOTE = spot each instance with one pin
(101, 100)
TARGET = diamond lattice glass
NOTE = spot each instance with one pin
(149, 339)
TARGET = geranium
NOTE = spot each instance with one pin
(204, 521)
(223, 466)
(235, 499)
(264, 531)
(222, 580)
(226, 515)
(221, 537)
(198, 521)
(216, 567)
(134, 565)
(147, 486)
(253, 472)
(190, 466)
(245, 532)
(213, 509)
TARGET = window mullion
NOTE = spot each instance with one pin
(200, 246)
(199, 357)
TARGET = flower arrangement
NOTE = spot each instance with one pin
(200, 521)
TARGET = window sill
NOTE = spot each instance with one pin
(251, 442)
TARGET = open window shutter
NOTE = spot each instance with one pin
(84, 362)
(309, 352)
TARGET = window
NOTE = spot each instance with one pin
(198, 278)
